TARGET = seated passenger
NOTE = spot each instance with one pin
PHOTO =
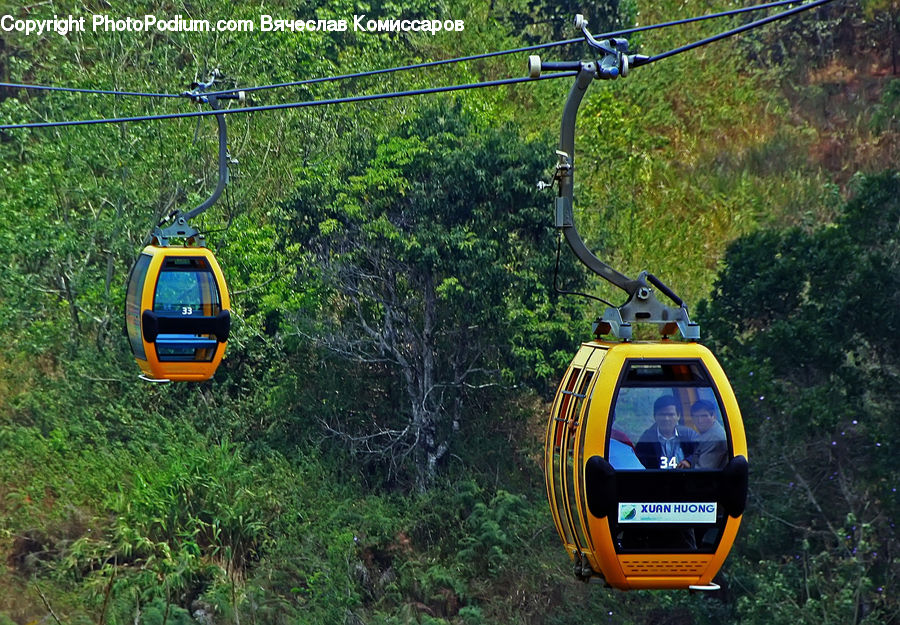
(712, 444)
(666, 445)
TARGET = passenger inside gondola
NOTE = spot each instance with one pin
(666, 444)
(621, 452)
(712, 443)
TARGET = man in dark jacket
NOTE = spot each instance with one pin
(666, 445)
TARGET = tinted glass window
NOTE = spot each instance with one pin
(668, 427)
(667, 415)
(187, 287)
(667, 418)
(649, 373)
(133, 305)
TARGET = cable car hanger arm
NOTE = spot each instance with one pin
(642, 304)
(180, 223)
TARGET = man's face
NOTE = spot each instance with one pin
(666, 419)
(703, 419)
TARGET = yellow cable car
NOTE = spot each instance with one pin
(177, 309)
(177, 313)
(629, 505)
(645, 456)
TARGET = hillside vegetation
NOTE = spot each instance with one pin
(369, 451)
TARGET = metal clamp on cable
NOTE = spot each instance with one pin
(198, 89)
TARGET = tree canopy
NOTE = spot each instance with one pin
(439, 267)
(807, 321)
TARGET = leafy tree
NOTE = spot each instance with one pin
(540, 21)
(438, 253)
(886, 114)
(886, 15)
(807, 322)
(804, 41)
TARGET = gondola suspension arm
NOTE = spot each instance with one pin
(179, 224)
(642, 304)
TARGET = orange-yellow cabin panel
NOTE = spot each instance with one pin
(582, 532)
(554, 460)
(573, 451)
(195, 370)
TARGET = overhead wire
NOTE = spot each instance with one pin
(298, 83)
(401, 68)
(444, 89)
(486, 55)
(13, 85)
(736, 31)
(287, 105)
(697, 18)
(414, 66)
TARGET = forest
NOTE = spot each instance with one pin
(370, 449)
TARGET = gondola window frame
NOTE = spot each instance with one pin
(710, 384)
(707, 382)
(133, 304)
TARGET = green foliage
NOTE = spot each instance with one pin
(493, 540)
(804, 42)
(792, 315)
(886, 114)
(161, 613)
(471, 615)
(539, 21)
(439, 270)
(193, 523)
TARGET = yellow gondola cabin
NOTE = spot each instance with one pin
(627, 510)
(177, 313)
(177, 309)
(645, 456)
